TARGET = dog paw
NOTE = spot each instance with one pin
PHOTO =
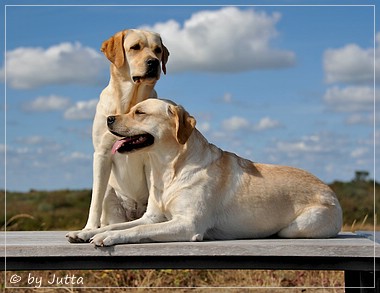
(104, 239)
(81, 236)
(97, 240)
(73, 237)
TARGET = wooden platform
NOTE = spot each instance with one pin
(356, 254)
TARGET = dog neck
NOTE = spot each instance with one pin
(124, 92)
(168, 160)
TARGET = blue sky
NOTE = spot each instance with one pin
(290, 85)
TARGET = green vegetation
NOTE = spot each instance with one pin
(45, 210)
(358, 201)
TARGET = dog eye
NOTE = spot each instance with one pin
(135, 47)
(139, 112)
(158, 50)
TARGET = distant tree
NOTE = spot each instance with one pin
(361, 176)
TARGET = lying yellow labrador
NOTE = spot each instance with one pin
(199, 191)
(120, 191)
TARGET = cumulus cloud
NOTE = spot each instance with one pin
(306, 145)
(266, 123)
(82, 110)
(39, 155)
(325, 154)
(31, 140)
(352, 64)
(227, 98)
(204, 126)
(359, 118)
(350, 99)
(225, 40)
(76, 156)
(235, 123)
(354, 67)
(359, 152)
(65, 63)
(46, 104)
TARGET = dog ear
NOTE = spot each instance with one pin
(165, 57)
(184, 123)
(114, 50)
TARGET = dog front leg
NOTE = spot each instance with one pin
(173, 230)
(85, 235)
(102, 171)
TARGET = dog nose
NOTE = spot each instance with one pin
(110, 120)
(153, 62)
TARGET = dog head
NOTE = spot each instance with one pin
(139, 52)
(151, 123)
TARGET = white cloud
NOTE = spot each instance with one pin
(308, 144)
(31, 140)
(76, 156)
(204, 126)
(235, 123)
(266, 123)
(65, 63)
(358, 118)
(227, 98)
(350, 99)
(29, 156)
(46, 104)
(325, 154)
(352, 64)
(224, 40)
(82, 110)
(359, 152)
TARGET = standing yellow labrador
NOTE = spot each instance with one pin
(135, 57)
(199, 191)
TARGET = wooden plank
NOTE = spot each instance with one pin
(50, 250)
(54, 243)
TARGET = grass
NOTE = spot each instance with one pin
(190, 280)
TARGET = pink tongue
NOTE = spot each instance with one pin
(118, 144)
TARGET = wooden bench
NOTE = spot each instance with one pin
(356, 254)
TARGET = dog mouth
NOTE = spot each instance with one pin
(150, 76)
(132, 143)
(145, 78)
